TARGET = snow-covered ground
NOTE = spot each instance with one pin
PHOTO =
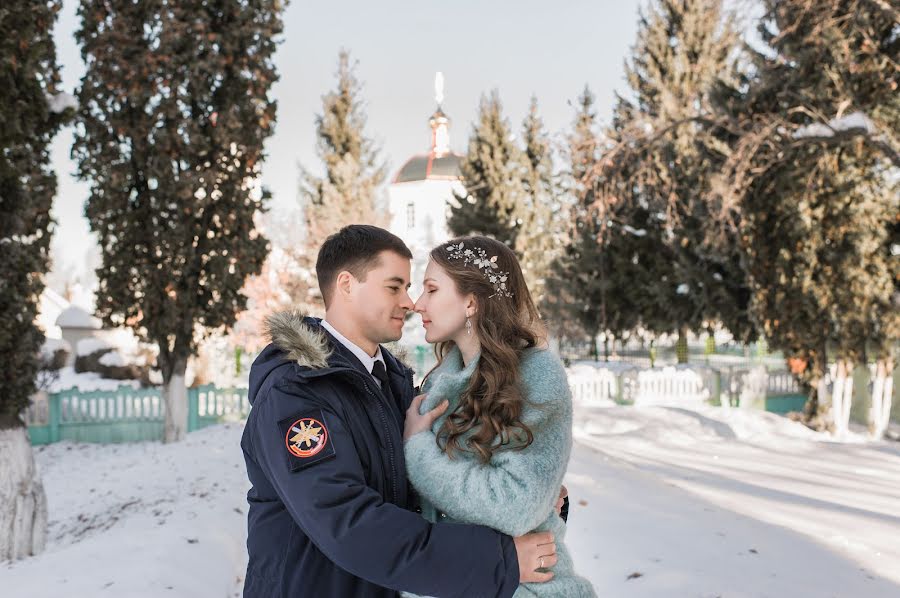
(665, 502)
(140, 520)
(731, 503)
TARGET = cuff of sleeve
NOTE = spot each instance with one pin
(510, 582)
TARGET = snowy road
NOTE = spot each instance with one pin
(732, 505)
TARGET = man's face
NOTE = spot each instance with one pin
(380, 303)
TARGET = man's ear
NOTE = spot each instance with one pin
(343, 284)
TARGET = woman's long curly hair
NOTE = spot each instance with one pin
(489, 416)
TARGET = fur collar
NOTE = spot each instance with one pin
(304, 344)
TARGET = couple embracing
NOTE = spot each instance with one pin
(360, 488)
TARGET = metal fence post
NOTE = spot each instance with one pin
(53, 413)
(193, 408)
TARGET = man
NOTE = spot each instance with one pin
(330, 509)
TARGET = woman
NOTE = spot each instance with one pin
(497, 451)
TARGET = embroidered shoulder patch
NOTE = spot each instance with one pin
(306, 439)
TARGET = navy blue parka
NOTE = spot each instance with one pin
(330, 509)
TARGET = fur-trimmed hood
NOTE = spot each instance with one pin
(300, 342)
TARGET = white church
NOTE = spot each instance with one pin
(421, 192)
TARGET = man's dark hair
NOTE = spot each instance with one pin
(354, 248)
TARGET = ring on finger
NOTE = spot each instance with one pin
(541, 563)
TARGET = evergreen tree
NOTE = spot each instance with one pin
(174, 110)
(538, 240)
(589, 283)
(492, 176)
(31, 112)
(813, 173)
(348, 191)
(662, 164)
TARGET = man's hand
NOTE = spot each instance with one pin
(537, 553)
(417, 422)
(563, 493)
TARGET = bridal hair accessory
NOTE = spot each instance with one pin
(479, 258)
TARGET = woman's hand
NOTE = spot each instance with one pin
(537, 553)
(417, 422)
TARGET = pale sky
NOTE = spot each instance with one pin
(521, 48)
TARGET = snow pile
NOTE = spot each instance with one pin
(89, 346)
(112, 359)
(52, 345)
(86, 381)
(76, 317)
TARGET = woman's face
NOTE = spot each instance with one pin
(442, 307)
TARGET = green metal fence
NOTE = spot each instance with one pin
(126, 414)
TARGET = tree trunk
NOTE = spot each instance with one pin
(841, 395)
(681, 346)
(882, 390)
(175, 398)
(23, 504)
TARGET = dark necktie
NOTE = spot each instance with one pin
(381, 374)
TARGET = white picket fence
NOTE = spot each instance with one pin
(593, 386)
(597, 384)
(672, 386)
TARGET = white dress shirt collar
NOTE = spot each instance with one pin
(367, 360)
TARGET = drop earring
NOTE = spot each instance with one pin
(468, 325)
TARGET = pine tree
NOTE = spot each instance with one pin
(589, 283)
(663, 163)
(811, 173)
(31, 112)
(348, 191)
(175, 108)
(492, 176)
(538, 240)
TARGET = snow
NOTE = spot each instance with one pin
(86, 382)
(52, 345)
(665, 502)
(637, 232)
(77, 317)
(737, 503)
(683, 289)
(112, 359)
(89, 346)
(140, 520)
(854, 120)
(61, 101)
(50, 307)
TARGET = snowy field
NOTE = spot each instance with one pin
(665, 502)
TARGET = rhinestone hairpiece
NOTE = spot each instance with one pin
(479, 258)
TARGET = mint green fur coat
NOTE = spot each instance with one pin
(516, 491)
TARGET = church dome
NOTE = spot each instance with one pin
(430, 167)
(439, 164)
